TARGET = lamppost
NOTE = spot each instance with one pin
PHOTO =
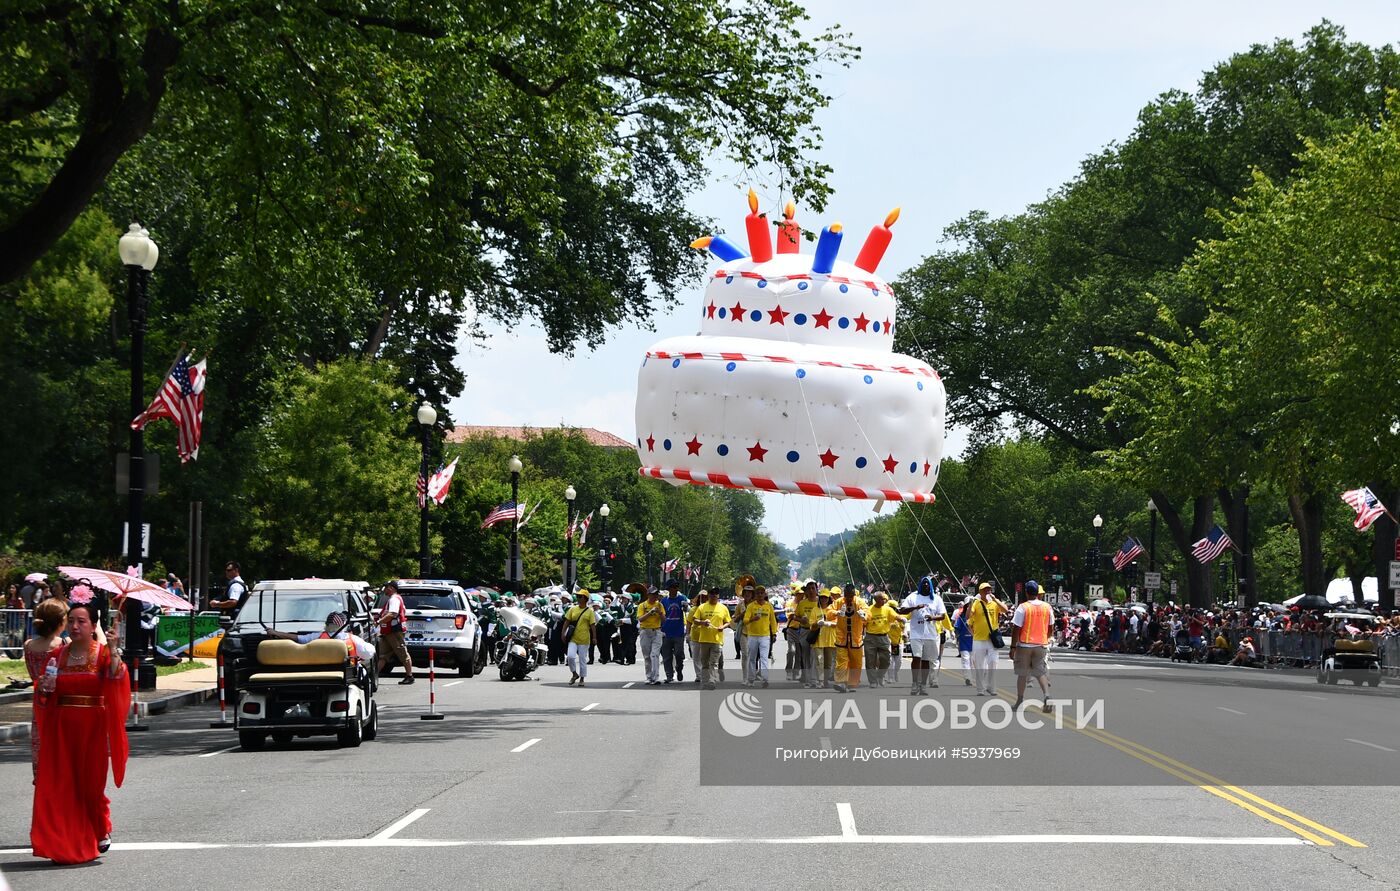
(512, 575)
(569, 496)
(612, 555)
(648, 559)
(427, 417)
(1151, 535)
(139, 255)
(603, 537)
(1098, 536)
(665, 561)
(1054, 560)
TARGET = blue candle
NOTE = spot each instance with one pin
(719, 246)
(827, 246)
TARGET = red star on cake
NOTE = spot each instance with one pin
(890, 464)
(927, 468)
(862, 322)
(651, 443)
(822, 319)
(887, 326)
(776, 316)
(736, 312)
(757, 451)
(693, 447)
(710, 310)
(828, 458)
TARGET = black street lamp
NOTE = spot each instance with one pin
(603, 571)
(665, 562)
(1098, 554)
(648, 560)
(569, 496)
(515, 468)
(427, 417)
(1152, 535)
(139, 255)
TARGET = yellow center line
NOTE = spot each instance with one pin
(1208, 783)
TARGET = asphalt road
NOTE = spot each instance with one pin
(1198, 776)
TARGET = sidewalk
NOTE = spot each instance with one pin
(171, 692)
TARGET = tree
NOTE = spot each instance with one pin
(329, 492)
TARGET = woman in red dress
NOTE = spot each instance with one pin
(49, 619)
(84, 724)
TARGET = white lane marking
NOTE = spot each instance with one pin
(609, 811)
(628, 684)
(525, 745)
(1144, 690)
(848, 820)
(1362, 742)
(393, 828)
(1312, 696)
(1230, 710)
(584, 840)
(453, 684)
(219, 752)
(590, 707)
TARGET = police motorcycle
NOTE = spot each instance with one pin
(521, 648)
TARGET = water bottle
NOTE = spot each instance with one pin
(51, 675)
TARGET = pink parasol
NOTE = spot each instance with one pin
(36, 577)
(124, 585)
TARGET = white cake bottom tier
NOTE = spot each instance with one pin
(785, 417)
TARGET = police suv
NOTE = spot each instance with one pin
(439, 617)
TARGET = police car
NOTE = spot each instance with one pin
(439, 617)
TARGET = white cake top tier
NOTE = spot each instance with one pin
(783, 299)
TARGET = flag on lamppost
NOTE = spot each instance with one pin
(181, 399)
(1367, 506)
(507, 511)
(1212, 546)
(441, 482)
(530, 515)
(1128, 553)
(583, 529)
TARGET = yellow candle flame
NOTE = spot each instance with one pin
(701, 243)
(834, 228)
(789, 210)
(753, 201)
(891, 217)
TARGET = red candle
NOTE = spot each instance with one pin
(873, 251)
(760, 242)
(789, 233)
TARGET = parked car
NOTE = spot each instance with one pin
(440, 617)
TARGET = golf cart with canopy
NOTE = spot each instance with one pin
(1348, 650)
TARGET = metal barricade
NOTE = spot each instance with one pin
(16, 626)
(1390, 655)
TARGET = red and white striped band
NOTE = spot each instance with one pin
(764, 484)
(812, 276)
(922, 370)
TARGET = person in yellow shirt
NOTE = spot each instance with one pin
(790, 633)
(984, 617)
(761, 629)
(707, 622)
(896, 647)
(877, 638)
(824, 652)
(650, 612)
(583, 620)
(804, 616)
(851, 614)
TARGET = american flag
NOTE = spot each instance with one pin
(1212, 546)
(671, 565)
(1366, 505)
(181, 399)
(507, 511)
(440, 483)
(1126, 554)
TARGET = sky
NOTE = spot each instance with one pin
(952, 107)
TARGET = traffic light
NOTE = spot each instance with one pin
(1046, 563)
(1055, 567)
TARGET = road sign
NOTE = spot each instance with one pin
(1151, 580)
(1095, 592)
(145, 539)
(1061, 598)
(1173, 589)
(1395, 573)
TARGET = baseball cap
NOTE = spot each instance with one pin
(985, 586)
(1032, 587)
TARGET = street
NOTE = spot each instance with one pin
(1200, 773)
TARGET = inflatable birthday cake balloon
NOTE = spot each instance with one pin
(792, 383)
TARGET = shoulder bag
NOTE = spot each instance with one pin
(993, 631)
